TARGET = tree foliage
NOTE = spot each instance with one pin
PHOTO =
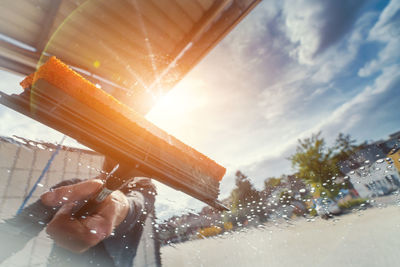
(313, 160)
(244, 191)
(242, 195)
(318, 164)
(285, 197)
(272, 182)
(344, 149)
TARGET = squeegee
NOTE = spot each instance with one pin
(60, 98)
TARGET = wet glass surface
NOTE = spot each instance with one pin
(300, 104)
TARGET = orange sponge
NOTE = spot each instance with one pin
(27, 82)
(61, 76)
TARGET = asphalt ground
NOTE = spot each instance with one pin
(368, 237)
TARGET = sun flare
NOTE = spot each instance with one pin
(179, 109)
(186, 97)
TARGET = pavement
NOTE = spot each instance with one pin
(368, 237)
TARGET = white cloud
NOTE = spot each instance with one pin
(355, 114)
(387, 20)
(386, 31)
(277, 100)
(348, 116)
(314, 26)
(335, 60)
(302, 28)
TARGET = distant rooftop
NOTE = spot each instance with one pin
(42, 145)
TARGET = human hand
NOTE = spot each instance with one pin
(80, 234)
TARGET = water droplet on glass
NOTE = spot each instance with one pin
(40, 146)
(93, 231)
(380, 161)
(40, 185)
(65, 198)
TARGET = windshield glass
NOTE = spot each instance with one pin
(299, 102)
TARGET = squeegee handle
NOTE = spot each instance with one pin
(112, 183)
(88, 207)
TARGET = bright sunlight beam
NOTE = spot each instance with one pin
(174, 111)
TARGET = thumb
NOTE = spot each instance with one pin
(71, 193)
(64, 212)
(62, 220)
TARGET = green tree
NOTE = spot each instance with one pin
(345, 148)
(271, 182)
(269, 186)
(244, 191)
(241, 195)
(285, 197)
(316, 165)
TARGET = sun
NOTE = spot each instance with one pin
(171, 101)
(170, 106)
(175, 111)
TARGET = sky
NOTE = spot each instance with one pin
(289, 69)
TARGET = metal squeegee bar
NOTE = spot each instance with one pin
(108, 143)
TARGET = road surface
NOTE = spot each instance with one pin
(364, 238)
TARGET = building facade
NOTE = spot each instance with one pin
(22, 162)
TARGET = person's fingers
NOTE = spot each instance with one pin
(63, 216)
(71, 193)
(98, 226)
(76, 235)
(107, 216)
(59, 228)
(115, 208)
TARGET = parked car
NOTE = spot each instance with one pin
(326, 207)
